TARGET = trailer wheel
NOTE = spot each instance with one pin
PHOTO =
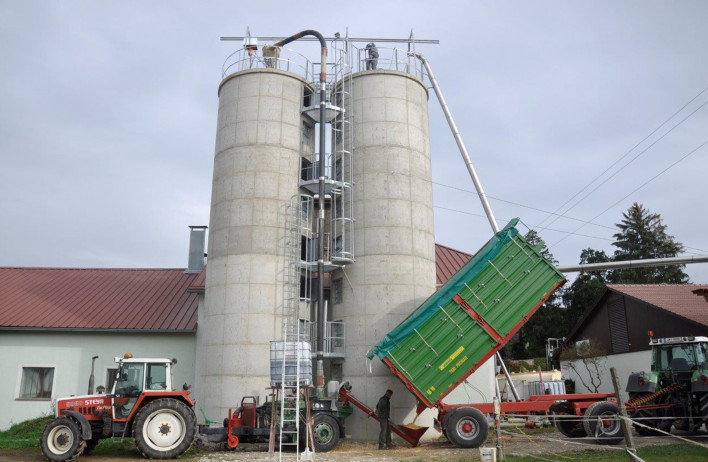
(601, 421)
(325, 430)
(467, 428)
(61, 440)
(164, 429)
(572, 428)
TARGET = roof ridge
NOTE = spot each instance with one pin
(454, 250)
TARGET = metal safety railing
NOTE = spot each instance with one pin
(287, 60)
(390, 59)
(334, 338)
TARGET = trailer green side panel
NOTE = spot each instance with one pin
(471, 317)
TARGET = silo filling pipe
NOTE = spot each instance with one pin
(475, 180)
(320, 204)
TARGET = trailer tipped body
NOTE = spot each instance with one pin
(471, 317)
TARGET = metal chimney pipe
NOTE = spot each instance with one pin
(197, 237)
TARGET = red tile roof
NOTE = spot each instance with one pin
(124, 299)
(198, 285)
(112, 299)
(685, 300)
(447, 262)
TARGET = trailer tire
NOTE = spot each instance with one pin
(610, 430)
(570, 428)
(61, 440)
(467, 427)
(164, 429)
(325, 431)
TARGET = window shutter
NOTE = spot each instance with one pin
(618, 325)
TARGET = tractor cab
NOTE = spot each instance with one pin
(136, 376)
(679, 359)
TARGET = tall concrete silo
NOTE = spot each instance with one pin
(393, 232)
(259, 143)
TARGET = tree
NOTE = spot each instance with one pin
(530, 341)
(585, 289)
(642, 235)
(587, 361)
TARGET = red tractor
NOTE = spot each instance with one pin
(141, 405)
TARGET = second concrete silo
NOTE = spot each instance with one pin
(393, 234)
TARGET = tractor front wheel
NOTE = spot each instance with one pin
(164, 429)
(61, 440)
(325, 430)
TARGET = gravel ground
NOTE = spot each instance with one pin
(546, 442)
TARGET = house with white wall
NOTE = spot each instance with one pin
(619, 322)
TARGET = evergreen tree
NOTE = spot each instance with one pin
(585, 289)
(642, 235)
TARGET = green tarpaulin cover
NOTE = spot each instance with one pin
(454, 285)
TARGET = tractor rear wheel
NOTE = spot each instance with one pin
(654, 418)
(602, 422)
(61, 440)
(164, 429)
(325, 430)
(467, 427)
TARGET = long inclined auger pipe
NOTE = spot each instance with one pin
(320, 202)
(475, 180)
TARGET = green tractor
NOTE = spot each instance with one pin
(675, 391)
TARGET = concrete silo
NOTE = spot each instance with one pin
(393, 232)
(260, 140)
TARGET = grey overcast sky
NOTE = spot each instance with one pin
(108, 117)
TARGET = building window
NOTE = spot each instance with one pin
(36, 383)
(338, 291)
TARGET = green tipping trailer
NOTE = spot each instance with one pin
(471, 317)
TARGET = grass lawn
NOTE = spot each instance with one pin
(24, 434)
(673, 452)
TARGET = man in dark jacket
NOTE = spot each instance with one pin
(383, 411)
(372, 57)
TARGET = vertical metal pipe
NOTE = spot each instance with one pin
(320, 205)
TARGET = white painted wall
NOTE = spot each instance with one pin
(625, 364)
(70, 353)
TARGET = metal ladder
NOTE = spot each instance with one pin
(288, 415)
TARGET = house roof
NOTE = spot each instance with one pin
(97, 299)
(685, 300)
(123, 299)
(447, 262)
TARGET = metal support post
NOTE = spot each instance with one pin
(626, 428)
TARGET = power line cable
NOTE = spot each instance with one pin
(518, 204)
(628, 152)
(530, 227)
(627, 164)
(635, 190)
